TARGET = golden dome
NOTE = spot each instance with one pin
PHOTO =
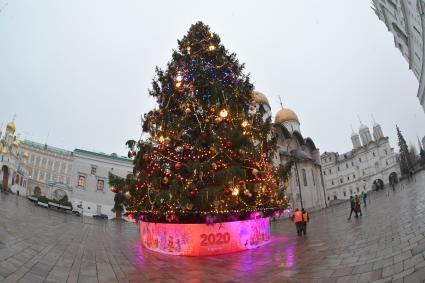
(284, 115)
(260, 98)
(25, 154)
(11, 126)
(16, 143)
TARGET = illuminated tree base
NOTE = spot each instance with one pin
(205, 239)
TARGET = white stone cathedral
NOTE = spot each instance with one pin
(370, 165)
(305, 183)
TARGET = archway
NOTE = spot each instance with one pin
(5, 181)
(37, 191)
(377, 185)
(393, 178)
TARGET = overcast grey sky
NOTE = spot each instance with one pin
(81, 69)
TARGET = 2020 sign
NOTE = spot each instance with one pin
(215, 239)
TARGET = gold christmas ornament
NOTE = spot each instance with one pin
(211, 47)
(161, 139)
(179, 78)
(223, 113)
(254, 172)
(187, 110)
(218, 119)
(178, 84)
(127, 195)
(188, 50)
(244, 123)
(235, 191)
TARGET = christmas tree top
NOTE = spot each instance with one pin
(208, 157)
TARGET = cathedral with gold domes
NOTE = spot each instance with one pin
(13, 173)
(305, 187)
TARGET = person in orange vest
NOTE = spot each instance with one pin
(297, 217)
(306, 218)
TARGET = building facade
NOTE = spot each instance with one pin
(13, 173)
(90, 181)
(49, 170)
(305, 185)
(405, 19)
(371, 164)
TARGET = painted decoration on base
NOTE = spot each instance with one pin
(205, 239)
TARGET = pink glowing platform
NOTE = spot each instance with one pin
(205, 239)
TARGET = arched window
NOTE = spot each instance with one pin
(304, 177)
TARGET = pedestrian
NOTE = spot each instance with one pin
(306, 218)
(364, 197)
(358, 208)
(297, 217)
(353, 208)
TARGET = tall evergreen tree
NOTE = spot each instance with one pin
(210, 146)
(405, 161)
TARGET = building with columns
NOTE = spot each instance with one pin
(29, 168)
(13, 173)
(49, 170)
(305, 185)
(371, 164)
(405, 19)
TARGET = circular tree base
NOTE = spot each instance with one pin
(205, 239)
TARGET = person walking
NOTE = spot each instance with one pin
(358, 207)
(353, 208)
(297, 217)
(364, 197)
(306, 218)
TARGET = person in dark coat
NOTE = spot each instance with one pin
(358, 207)
(353, 207)
(306, 218)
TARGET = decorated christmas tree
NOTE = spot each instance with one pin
(209, 154)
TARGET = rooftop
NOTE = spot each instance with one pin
(46, 147)
(113, 156)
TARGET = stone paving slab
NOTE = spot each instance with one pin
(386, 244)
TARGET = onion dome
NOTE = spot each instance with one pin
(16, 143)
(11, 127)
(260, 98)
(285, 114)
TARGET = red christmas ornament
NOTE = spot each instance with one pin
(227, 192)
(194, 193)
(229, 143)
(130, 216)
(241, 183)
(161, 113)
(187, 147)
(178, 166)
(181, 90)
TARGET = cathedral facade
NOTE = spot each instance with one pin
(370, 165)
(304, 188)
(13, 169)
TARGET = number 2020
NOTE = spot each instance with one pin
(215, 239)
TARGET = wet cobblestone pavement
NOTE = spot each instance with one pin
(386, 244)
